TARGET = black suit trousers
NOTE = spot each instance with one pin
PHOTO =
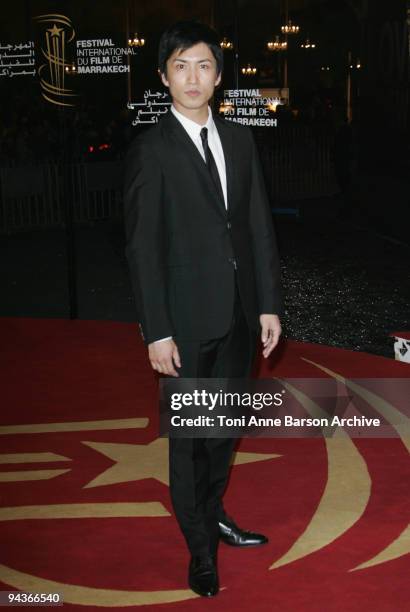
(199, 467)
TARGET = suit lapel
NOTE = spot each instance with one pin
(225, 134)
(171, 123)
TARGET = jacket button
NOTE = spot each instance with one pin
(228, 225)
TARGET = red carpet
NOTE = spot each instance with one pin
(92, 518)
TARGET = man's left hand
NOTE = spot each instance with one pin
(271, 330)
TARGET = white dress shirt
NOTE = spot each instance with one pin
(214, 142)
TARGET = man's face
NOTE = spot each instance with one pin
(191, 77)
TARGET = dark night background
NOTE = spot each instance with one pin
(344, 239)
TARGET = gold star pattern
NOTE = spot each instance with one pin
(54, 31)
(139, 461)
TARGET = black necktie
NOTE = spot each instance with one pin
(210, 162)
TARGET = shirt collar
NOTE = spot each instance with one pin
(193, 128)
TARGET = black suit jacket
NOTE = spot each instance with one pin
(183, 246)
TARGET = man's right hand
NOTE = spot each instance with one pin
(163, 356)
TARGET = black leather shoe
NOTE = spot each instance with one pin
(233, 535)
(203, 575)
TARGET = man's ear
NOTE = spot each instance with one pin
(163, 78)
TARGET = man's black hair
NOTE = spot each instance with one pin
(184, 35)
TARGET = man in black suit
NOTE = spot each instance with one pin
(205, 271)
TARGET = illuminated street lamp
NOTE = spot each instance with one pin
(135, 41)
(308, 45)
(226, 44)
(70, 68)
(353, 66)
(249, 70)
(277, 45)
(290, 28)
